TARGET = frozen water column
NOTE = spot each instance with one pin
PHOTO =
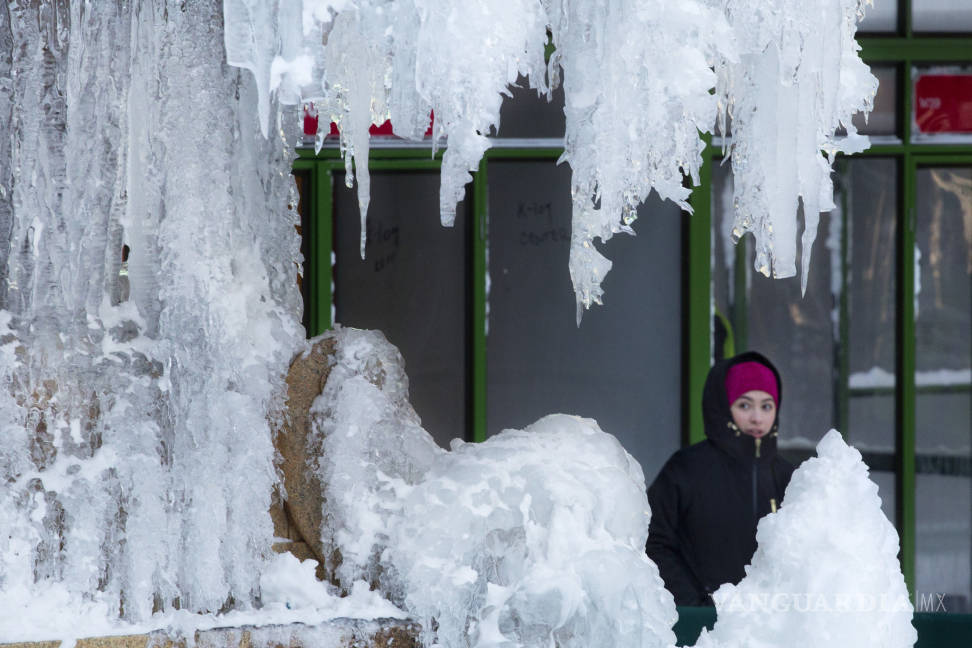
(135, 398)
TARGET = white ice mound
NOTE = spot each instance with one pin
(534, 538)
(826, 571)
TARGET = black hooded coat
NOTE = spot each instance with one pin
(708, 497)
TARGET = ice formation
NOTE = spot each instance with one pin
(292, 600)
(826, 567)
(534, 538)
(135, 391)
(642, 81)
(797, 78)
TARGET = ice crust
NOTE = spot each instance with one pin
(642, 82)
(825, 569)
(136, 397)
(533, 538)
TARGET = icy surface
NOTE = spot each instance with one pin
(136, 395)
(532, 538)
(642, 81)
(291, 594)
(826, 569)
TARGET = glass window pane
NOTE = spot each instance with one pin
(943, 357)
(943, 545)
(943, 317)
(622, 367)
(881, 17)
(797, 333)
(882, 120)
(527, 115)
(886, 491)
(871, 422)
(870, 196)
(411, 286)
(724, 262)
(941, 15)
(943, 423)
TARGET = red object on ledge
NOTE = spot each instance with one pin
(311, 123)
(385, 129)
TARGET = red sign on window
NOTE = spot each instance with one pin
(943, 103)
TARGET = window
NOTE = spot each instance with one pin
(881, 345)
(484, 312)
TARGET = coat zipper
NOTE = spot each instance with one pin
(756, 442)
(755, 511)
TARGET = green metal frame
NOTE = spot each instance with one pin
(697, 293)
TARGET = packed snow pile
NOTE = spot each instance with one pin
(642, 81)
(150, 311)
(826, 567)
(534, 538)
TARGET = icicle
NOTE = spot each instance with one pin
(638, 80)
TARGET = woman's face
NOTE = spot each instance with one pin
(754, 413)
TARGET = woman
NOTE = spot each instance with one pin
(707, 499)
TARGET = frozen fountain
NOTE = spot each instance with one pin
(149, 310)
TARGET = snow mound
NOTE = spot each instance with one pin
(534, 538)
(826, 567)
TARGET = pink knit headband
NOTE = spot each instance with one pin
(747, 376)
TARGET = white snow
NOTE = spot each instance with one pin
(642, 81)
(291, 594)
(826, 571)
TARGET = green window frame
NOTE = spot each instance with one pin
(904, 50)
